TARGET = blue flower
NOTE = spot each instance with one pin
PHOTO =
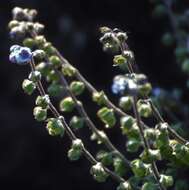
(20, 55)
(119, 84)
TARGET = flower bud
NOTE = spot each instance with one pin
(28, 86)
(13, 23)
(53, 76)
(98, 172)
(55, 127)
(144, 108)
(126, 123)
(107, 116)
(133, 145)
(185, 66)
(124, 186)
(77, 144)
(105, 158)
(148, 156)
(125, 103)
(119, 60)
(119, 166)
(43, 101)
(102, 134)
(168, 39)
(49, 48)
(104, 29)
(55, 61)
(166, 181)
(35, 76)
(40, 40)
(38, 27)
(43, 68)
(139, 168)
(77, 122)
(39, 55)
(29, 42)
(77, 87)
(159, 11)
(145, 89)
(74, 154)
(68, 70)
(149, 186)
(100, 98)
(54, 89)
(67, 104)
(39, 113)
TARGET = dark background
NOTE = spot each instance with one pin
(31, 159)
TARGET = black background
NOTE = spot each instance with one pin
(31, 159)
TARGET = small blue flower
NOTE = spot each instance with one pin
(20, 55)
(119, 84)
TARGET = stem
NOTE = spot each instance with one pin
(89, 122)
(69, 132)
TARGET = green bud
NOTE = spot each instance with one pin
(145, 89)
(74, 154)
(55, 61)
(13, 23)
(53, 76)
(139, 168)
(124, 186)
(67, 104)
(148, 156)
(168, 39)
(159, 11)
(125, 103)
(102, 134)
(150, 134)
(43, 101)
(133, 145)
(54, 89)
(149, 186)
(119, 60)
(77, 144)
(55, 127)
(39, 55)
(98, 172)
(48, 48)
(43, 68)
(166, 181)
(77, 87)
(107, 116)
(29, 42)
(68, 70)
(35, 76)
(126, 123)
(185, 66)
(105, 158)
(144, 108)
(100, 98)
(77, 122)
(28, 86)
(40, 40)
(39, 113)
(119, 166)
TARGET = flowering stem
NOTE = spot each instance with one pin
(69, 132)
(89, 122)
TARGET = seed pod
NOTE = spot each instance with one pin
(98, 172)
(55, 127)
(77, 87)
(124, 186)
(100, 98)
(105, 157)
(125, 103)
(39, 113)
(77, 122)
(28, 86)
(43, 101)
(139, 168)
(144, 108)
(67, 104)
(68, 70)
(107, 116)
(55, 61)
(34, 76)
(166, 181)
(119, 166)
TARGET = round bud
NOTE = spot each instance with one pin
(166, 181)
(43, 101)
(107, 116)
(185, 66)
(28, 86)
(149, 186)
(124, 186)
(148, 156)
(55, 61)
(68, 70)
(122, 36)
(43, 68)
(74, 154)
(125, 103)
(12, 24)
(39, 113)
(105, 158)
(40, 40)
(119, 166)
(39, 55)
(29, 42)
(67, 105)
(54, 89)
(119, 60)
(168, 39)
(49, 48)
(133, 145)
(100, 98)
(144, 108)
(77, 122)
(126, 124)
(53, 76)
(159, 11)
(35, 76)
(77, 87)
